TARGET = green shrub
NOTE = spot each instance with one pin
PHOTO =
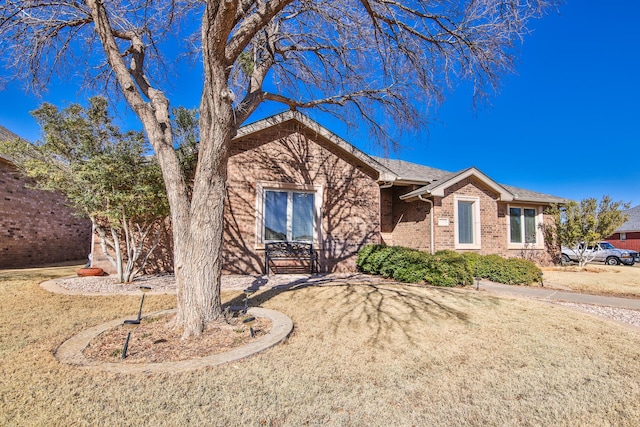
(406, 265)
(472, 258)
(448, 268)
(512, 271)
(376, 259)
(522, 272)
(365, 253)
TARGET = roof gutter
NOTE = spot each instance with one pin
(431, 248)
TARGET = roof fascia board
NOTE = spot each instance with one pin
(400, 181)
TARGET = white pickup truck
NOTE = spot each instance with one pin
(601, 252)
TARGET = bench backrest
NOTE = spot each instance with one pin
(288, 249)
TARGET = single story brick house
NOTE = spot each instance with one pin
(627, 236)
(292, 179)
(36, 227)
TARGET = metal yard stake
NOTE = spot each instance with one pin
(134, 322)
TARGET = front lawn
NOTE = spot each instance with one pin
(596, 279)
(359, 355)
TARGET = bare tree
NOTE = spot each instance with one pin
(383, 62)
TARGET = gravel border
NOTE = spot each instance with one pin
(622, 315)
(106, 285)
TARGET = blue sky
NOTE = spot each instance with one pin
(567, 124)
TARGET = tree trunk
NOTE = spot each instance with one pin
(198, 252)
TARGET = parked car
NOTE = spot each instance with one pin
(602, 252)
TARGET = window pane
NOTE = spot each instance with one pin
(465, 222)
(515, 225)
(275, 215)
(302, 227)
(530, 225)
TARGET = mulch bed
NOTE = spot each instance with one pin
(155, 340)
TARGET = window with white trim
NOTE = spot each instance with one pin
(288, 215)
(623, 237)
(523, 225)
(467, 222)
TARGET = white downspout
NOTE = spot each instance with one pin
(431, 248)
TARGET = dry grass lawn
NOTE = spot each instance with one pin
(359, 355)
(596, 279)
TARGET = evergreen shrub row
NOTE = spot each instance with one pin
(444, 268)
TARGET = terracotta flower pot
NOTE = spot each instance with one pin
(91, 271)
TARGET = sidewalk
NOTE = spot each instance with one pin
(558, 295)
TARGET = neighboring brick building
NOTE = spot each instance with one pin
(292, 179)
(36, 227)
(627, 236)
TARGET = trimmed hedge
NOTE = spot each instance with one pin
(512, 271)
(444, 268)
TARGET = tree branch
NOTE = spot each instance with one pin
(250, 26)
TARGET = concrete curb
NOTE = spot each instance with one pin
(70, 352)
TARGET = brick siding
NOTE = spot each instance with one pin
(36, 227)
(407, 223)
(291, 155)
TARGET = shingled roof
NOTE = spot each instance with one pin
(433, 178)
(412, 172)
(633, 221)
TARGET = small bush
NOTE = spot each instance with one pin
(406, 265)
(364, 254)
(472, 258)
(376, 258)
(512, 271)
(449, 268)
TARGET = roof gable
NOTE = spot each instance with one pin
(437, 188)
(384, 173)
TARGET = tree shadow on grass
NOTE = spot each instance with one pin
(384, 311)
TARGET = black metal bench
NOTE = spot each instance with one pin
(293, 256)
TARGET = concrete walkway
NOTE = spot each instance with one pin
(559, 295)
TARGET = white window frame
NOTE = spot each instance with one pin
(476, 222)
(262, 187)
(539, 218)
(623, 237)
